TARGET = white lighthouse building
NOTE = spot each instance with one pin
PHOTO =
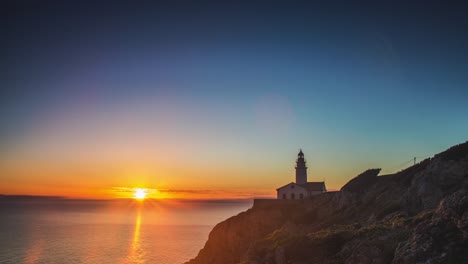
(301, 189)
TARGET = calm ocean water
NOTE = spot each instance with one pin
(74, 231)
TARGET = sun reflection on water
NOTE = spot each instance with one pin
(35, 252)
(137, 253)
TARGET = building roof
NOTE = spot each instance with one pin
(311, 186)
(287, 185)
(314, 186)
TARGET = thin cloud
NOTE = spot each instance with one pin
(229, 193)
(197, 192)
(132, 190)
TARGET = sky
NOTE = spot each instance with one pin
(208, 99)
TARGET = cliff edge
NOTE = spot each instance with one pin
(418, 215)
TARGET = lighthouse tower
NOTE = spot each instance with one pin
(301, 169)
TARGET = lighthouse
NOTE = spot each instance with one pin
(301, 189)
(301, 169)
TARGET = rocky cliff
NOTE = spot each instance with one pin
(418, 215)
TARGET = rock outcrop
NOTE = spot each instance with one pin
(418, 215)
(362, 182)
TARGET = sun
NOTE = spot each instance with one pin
(140, 194)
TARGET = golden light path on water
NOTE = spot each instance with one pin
(136, 251)
(35, 251)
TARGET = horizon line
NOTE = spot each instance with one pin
(16, 197)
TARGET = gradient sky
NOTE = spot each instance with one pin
(215, 100)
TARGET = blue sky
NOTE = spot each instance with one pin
(244, 85)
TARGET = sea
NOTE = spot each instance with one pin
(51, 230)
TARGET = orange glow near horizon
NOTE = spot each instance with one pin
(104, 181)
(141, 194)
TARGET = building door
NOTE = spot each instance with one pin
(284, 196)
(301, 196)
(292, 196)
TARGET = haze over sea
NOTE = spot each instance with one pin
(108, 231)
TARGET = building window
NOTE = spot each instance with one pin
(292, 186)
(292, 196)
(284, 196)
(301, 196)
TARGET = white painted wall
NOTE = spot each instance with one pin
(292, 191)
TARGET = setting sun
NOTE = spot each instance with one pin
(140, 194)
